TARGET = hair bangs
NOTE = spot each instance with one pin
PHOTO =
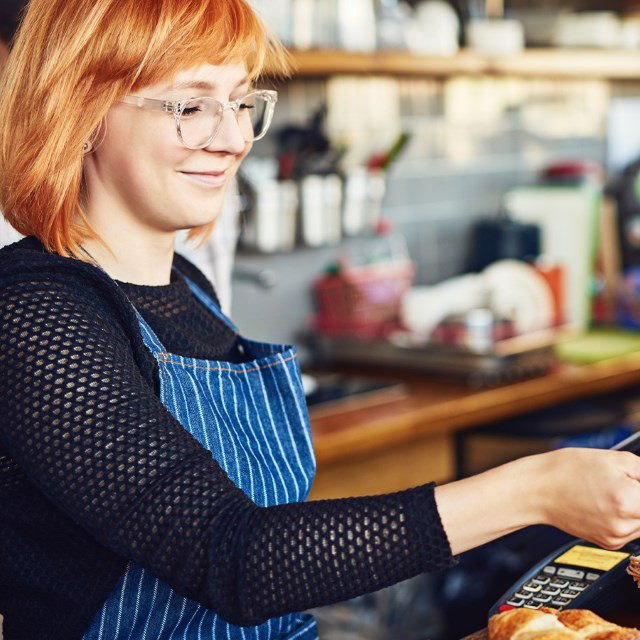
(210, 32)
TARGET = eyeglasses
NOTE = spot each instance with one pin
(198, 120)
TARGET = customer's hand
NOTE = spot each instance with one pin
(590, 493)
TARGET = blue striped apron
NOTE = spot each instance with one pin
(252, 416)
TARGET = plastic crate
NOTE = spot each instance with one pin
(362, 301)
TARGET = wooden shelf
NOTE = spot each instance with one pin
(547, 63)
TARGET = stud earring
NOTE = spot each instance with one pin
(86, 147)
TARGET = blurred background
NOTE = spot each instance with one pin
(487, 99)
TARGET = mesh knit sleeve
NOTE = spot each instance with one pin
(80, 417)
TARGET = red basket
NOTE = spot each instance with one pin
(362, 301)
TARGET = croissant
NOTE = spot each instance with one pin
(521, 624)
(633, 569)
(549, 624)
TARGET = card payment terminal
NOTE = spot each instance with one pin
(578, 574)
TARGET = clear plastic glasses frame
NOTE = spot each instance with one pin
(208, 114)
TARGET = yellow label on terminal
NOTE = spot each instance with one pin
(591, 557)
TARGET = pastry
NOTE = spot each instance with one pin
(549, 624)
(633, 568)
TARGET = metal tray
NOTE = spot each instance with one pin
(508, 360)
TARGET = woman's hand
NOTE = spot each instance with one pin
(593, 494)
(590, 493)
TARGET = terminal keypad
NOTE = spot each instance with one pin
(555, 587)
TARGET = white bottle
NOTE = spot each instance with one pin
(357, 25)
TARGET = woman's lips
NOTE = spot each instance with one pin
(207, 178)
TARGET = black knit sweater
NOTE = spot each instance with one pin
(94, 471)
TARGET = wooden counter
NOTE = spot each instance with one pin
(394, 441)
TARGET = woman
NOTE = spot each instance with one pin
(154, 465)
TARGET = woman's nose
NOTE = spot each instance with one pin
(229, 136)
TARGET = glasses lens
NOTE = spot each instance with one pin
(254, 114)
(198, 121)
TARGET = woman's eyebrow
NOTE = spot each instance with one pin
(193, 84)
(202, 85)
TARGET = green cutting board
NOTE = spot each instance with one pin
(602, 343)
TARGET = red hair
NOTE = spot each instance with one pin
(71, 61)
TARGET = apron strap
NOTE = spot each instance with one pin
(149, 336)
